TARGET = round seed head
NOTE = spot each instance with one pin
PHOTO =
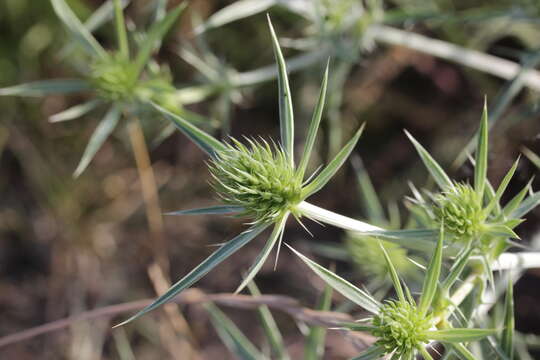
(400, 327)
(258, 177)
(460, 210)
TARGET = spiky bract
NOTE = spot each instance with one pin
(400, 328)
(460, 210)
(258, 177)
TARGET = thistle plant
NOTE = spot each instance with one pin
(118, 79)
(404, 327)
(259, 180)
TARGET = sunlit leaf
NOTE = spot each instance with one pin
(121, 32)
(480, 169)
(432, 276)
(345, 288)
(102, 132)
(393, 274)
(330, 170)
(223, 252)
(46, 87)
(374, 352)
(75, 112)
(459, 335)
(433, 167)
(286, 114)
(507, 340)
(211, 210)
(77, 29)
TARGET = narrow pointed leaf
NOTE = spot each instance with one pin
(330, 170)
(432, 166)
(206, 142)
(121, 32)
(534, 158)
(515, 202)
(77, 29)
(263, 255)
(342, 286)
(231, 336)
(507, 341)
(357, 326)
(286, 115)
(425, 354)
(502, 187)
(46, 87)
(270, 327)
(480, 169)
(211, 210)
(414, 239)
(393, 274)
(314, 348)
(457, 335)
(527, 205)
(237, 10)
(432, 276)
(102, 132)
(223, 252)
(373, 353)
(457, 268)
(154, 37)
(314, 125)
(75, 112)
(369, 197)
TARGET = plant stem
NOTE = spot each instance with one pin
(316, 213)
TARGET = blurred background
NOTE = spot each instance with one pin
(71, 245)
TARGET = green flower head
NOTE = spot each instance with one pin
(460, 211)
(258, 177)
(400, 327)
(112, 77)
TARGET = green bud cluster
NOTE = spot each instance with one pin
(460, 210)
(113, 78)
(368, 256)
(400, 328)
(258, 177)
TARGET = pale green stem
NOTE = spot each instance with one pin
(329, 217)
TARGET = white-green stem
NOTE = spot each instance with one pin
(490, 64)
(328, 217)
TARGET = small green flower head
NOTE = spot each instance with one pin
(258, 177)
(113, 78)
(460, 210)
(400, 327)
(367, 254)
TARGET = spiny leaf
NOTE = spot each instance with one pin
(414, 239)
(46, 87)
(314, 348)
(502, 187)
(269, 326)
(463, 351)
(155, 35)
(121, 33)
(286, 114)
(534, 158)
(457, 268)
(206, 142)
(480, 169)
(342, 286)
(231, 336)
(314, 126)
(238, 10)
(329, 171)
(432, 276)
(75, 112)
(102, 132)
(211, 210)
(515, 202)
(458, 335)
(202, 269)
(433, 167)
(77, 29)
(393, 274)
(507, 341)
(527, 205)
(263, 255)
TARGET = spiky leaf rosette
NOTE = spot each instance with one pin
(460, 210)
(258, 177)
(400, 327)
